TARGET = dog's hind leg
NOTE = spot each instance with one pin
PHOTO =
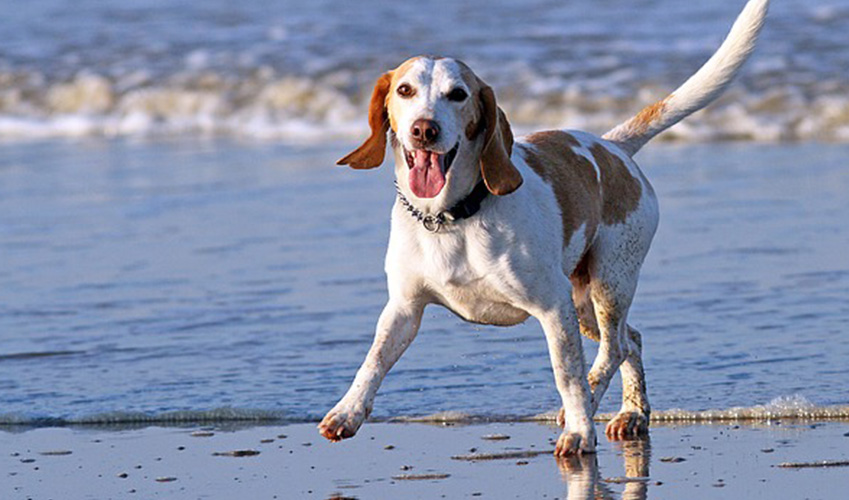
(614, 268)
(633, 419)
(617, 256)
(611, 305)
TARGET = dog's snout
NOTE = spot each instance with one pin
(425, 131)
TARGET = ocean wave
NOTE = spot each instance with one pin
(783, 408)
(265, 106)
(793, 407)
(214, 416)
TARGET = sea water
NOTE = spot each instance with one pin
(303, 71)
(170, 279)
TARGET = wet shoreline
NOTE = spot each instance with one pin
(427, 461)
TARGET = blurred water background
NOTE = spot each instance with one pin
(174, 237)
(302, 71)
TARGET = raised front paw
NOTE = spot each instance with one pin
(571, 444)
(627, 424)
(341, 423)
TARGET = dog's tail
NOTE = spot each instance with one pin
(708, 83)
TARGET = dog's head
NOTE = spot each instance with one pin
(447, 131)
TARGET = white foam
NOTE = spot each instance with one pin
(217, 415)
(264, 106)
(794, 407)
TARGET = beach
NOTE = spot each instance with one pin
(188, 283)
(393, 460)
(176, 310)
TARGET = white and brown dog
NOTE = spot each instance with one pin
(554, 225)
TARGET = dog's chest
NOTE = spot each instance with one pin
(464, 276)
(480, 302)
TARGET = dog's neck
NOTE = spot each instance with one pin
(464, 209)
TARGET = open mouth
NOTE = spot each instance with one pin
(428, 170)
(445, 159)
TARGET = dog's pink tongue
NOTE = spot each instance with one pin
(426, 177)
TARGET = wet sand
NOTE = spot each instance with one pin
(413, 460)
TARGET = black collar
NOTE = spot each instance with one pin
(465, 208)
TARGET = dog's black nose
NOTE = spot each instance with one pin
(424, 131)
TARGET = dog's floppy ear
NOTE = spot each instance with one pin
(370, 154)
(499, 173)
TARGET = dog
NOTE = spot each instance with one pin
(554, 225)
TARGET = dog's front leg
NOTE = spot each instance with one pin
(396, 329)
(560, 324)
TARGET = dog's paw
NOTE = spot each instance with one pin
(340, 424)
(627, 424)
(571, 444)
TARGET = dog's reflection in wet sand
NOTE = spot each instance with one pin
(584, 480)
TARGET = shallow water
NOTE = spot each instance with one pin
(302, 70)
(193, 275)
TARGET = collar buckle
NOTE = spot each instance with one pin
(433, 223)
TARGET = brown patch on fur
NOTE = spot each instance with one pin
(473, 128)
(592, 380)
(580, 279)
(573, 178)
(649, 114)
(473, 115)
(499, 173)
(370, 154)
(558, 135)
(581, 274)
(620, 191)
(397, 75)
(485, 117)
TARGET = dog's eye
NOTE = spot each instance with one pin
(405, 90)
(457, 95)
